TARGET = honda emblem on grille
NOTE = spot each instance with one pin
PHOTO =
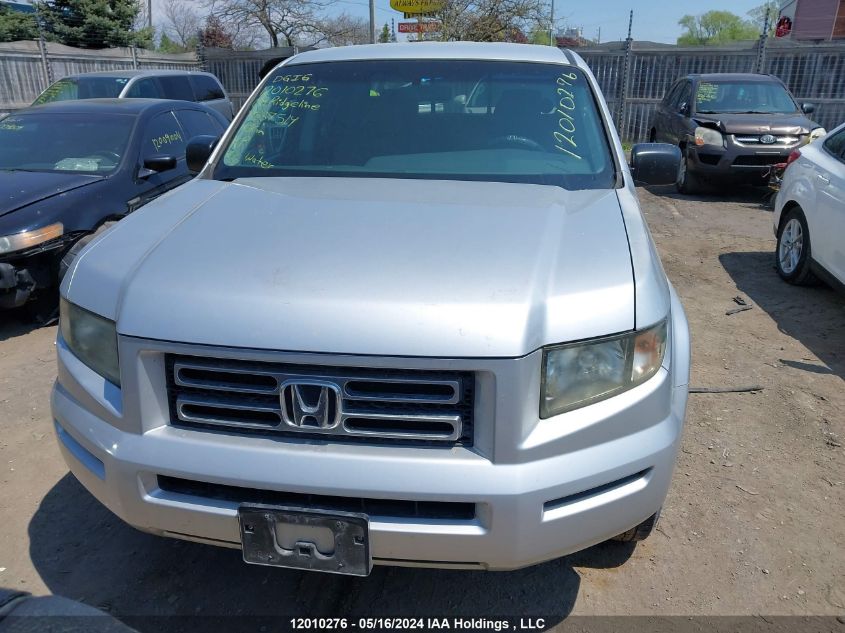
(310, 404)
(767, 139)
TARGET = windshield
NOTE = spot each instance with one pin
(71, 88)
(725, 97)
(64, 142)
(433, 119)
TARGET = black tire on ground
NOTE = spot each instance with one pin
(639, 532)
(688, 182)
(792, 254)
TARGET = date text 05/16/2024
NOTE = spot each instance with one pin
(433, 623)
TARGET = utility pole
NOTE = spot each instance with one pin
(598, 38)
(552, 26)
(372, 21)
(150, 14)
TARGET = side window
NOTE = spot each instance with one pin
(196, 123)
(672, 95)
(684, 95)
(163, 135)
(176, 87)
(206, 88)
(836, 145)
(144, 89)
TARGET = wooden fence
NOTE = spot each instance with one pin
(27, 68)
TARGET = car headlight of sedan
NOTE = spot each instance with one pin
(91, 338)
(708, 136)
(27, 239)
(817, 134)
(578, 374)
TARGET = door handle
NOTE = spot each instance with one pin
(824, 179)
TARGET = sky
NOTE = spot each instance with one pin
(654, 20)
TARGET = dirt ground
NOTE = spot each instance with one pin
(754, 522)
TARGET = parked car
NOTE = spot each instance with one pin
(378, 330)
(180, 85)
(69, 167)
(809, 218)
(731, 127)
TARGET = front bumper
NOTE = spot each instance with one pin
(541, 488)
(738, 161)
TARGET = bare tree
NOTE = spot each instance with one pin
(342, 30)
(181, 22)
(491, 20)
(286, 22)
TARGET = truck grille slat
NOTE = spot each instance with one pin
(337, 403)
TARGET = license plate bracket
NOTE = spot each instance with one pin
(303, 538)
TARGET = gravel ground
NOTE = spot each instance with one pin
(754, 522)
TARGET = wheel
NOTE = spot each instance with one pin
(687, 181)
(639, 532)
(793, 249)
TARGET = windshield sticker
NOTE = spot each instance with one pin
(706, 92)
(565, 135)
(167, 139)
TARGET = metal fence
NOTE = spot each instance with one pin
(27, 68)
(814, 73)
(238, 71)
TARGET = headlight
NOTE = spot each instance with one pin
(26, 239)
(817, 134)
(583, 373)
(708, 136)
(92, 339)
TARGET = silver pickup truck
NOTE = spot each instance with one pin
(385, 325)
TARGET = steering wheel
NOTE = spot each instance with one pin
(515, 139)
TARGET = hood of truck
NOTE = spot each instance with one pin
(366, 266)
(754, 123)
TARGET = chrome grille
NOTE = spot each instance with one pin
(780, 141)
(337, 403)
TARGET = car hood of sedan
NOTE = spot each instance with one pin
(20, 189)
(366, 266)
(777, 124)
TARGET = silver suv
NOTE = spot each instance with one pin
(182, 85)
(383, 326)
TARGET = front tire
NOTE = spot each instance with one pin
(639, 532)
(792, 257)
(687, 181)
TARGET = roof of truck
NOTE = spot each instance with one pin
(441, 50)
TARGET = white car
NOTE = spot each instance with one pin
(810, 213)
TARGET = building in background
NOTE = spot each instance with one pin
(811, 20)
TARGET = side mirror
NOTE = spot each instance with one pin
(199, 150)
(808, 108)
(655, 163)
(156, 164)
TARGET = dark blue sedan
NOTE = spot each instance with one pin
(69, 167)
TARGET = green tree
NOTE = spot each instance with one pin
(715, 27)
(16, 25)
(166, 45)
(384, 36)
(94, 23)
(758, 15)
